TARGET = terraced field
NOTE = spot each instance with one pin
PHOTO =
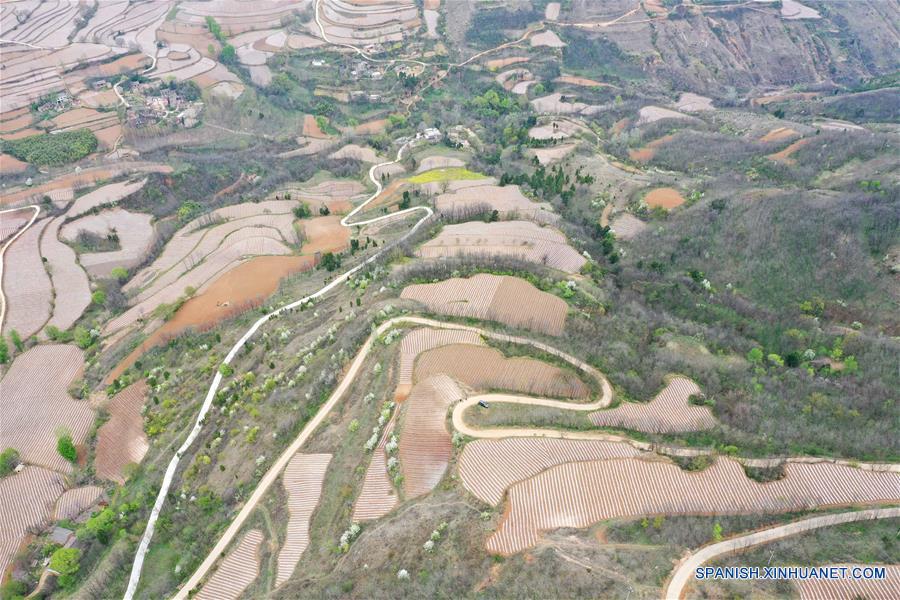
(302, 481)
(507, 200)
(363, 22)
(27, 499)
(523, 240)
(579, 494)
(509, 300)
(107, 194)
(135, 233)
(70, 282)
(483, 368)
(423, 339)
(377, 496)
(121, 440)
(852, 589)
(32, 414)
(669, 412)
(425, 446)
(236, 572)
(75, 501)
(487, 468)
(26, 285)
(205, 249)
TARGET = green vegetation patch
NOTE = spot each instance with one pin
(445, 174)
(52, 149)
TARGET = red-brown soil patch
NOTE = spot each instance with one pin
(121, 440)
(499, 63)
(10, 165)
(22, 133)
(778, 134)
(784, 156)
(646, 153)
(311, 128)
(582, 81)
(125, 64)
(15, 123)
(324, 234)
(372, 127)
(83, 179)
(238, 290)
(665, 197)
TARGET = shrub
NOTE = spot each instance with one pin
(302, 210)
(82, 337)
(119, 273)
(66, 448)
(226, 370)
(16, 339)
(56, 149)
(66, 562)
(99, 297)
(4, 352)
(9, 459)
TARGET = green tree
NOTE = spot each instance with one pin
(755, 355)
(82, 338)
(16, 339)
(66, 562)
(66, 448)
(226, 370)
(406, 201)
(4, 352)
(717, 532)
(215, 29)
(330, 261)
(99, 297)
(9, 458)
(119, 273)
(301, 211)
(100, 526)
(228, 55)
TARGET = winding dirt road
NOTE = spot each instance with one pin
(683, 574)
(144, 545)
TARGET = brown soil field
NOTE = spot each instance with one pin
(377, 496)
(22, 133)
(438, 162)
(371, 128)
(582, 81)
(10, 165)
(546, 38)
(75, 501)
(488, 467)
(651, 114)
(690, 102)
(21, 120)
(311, 128)
(763, 100)
(669, 412)
(665, 197)
(12, 221)
(236, 572)
(107, 194)
(27, 499)
(423, 339)
(121, 440)
(507, 200)
(85, 178)
(80, 117)
(73, 292)
(26, 285)
(36, 402)
(432, 4)
(103, 98)
(784, 156)
(136, 235)
(425, 445)
(108, 136)
(325, 234)
(302, 480)
(778, 134)
(850, 589)
(509, 300)
(579, 494)
(483, 369)
(499, 63)
(237, 290)
(522, 239)
(360, 153)
(626, 226)
(547, 156)
(646, 153)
